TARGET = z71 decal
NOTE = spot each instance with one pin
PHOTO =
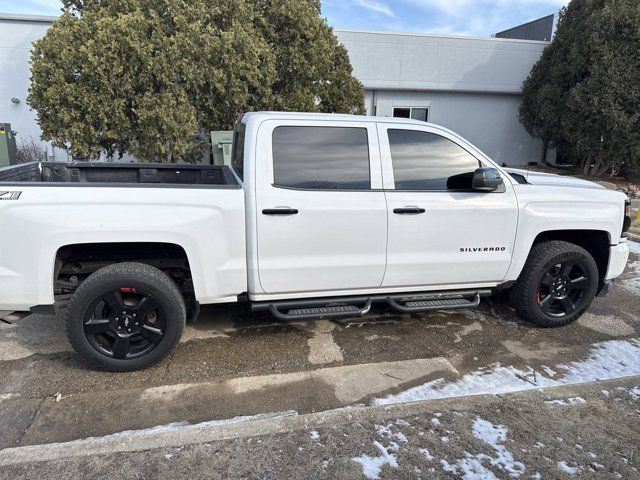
(10, 195)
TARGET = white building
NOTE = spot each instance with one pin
(470, 85)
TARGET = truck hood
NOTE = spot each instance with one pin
(539, 178)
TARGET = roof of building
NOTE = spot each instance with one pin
(437, 35)
(27, 18)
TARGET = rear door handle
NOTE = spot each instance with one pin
(280, 211)
(409, 211)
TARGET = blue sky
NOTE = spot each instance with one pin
(454, 17)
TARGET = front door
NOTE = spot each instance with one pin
(321, 212)
(441, 232)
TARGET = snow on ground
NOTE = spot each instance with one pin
(569, 401)
(470, 467)
(473, 466)
(372, 466)
(607, 360)
(496, 436)
(426, 454)
(632, 284)
(568, 469)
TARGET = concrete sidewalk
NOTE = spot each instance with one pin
(584, 431)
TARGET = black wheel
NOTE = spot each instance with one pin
(557, 285)
(125, 317)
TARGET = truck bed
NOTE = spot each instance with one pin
(52, 173)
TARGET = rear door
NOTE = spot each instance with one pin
(441, 232)
(321, 211)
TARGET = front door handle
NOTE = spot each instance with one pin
(280, 211)
(409, 211)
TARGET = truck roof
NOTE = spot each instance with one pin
(330, 117)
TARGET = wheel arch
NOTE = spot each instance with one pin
(75, 262)
(596, 242)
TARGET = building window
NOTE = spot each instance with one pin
(416, 113)
(335, 158)
(426, 161)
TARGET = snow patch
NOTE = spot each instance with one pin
(548, 371)
(8, 396)
(607, 360)
(372, 466)
(635, 393)
(496, 436)
(472, 467)
(569, 470)
(634, 247)
(426, 454)
(315, 436)
(469, 468)
(632, 283)
(569, 401)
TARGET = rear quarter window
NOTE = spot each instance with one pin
(237, 159)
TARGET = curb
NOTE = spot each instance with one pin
(177, 435)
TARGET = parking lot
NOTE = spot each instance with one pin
(234, 364)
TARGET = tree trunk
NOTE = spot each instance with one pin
(604, 168)
(586, 168)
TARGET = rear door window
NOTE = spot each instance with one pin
(331, 158)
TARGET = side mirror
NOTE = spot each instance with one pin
(487, 179)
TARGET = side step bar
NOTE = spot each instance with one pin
(317, 312)
(337, 307)
(417, 305)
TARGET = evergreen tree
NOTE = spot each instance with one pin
(583, 96)
(152, 77)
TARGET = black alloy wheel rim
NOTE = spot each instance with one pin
(562, 289)
(125, 324)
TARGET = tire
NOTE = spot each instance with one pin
(549, 292)
(125, 317)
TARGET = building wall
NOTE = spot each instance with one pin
(470, 85)
(16, 37)
(486, 120)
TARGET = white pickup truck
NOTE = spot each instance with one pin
(319, 215)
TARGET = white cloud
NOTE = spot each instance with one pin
(462, 8)
(377, 7)
(481, 17)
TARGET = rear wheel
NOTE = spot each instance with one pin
(557, 285)
(125, 317)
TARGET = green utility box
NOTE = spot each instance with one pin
(221, 146)
(7, 145)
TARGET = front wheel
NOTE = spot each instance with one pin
(557, 285)
(125, 317)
